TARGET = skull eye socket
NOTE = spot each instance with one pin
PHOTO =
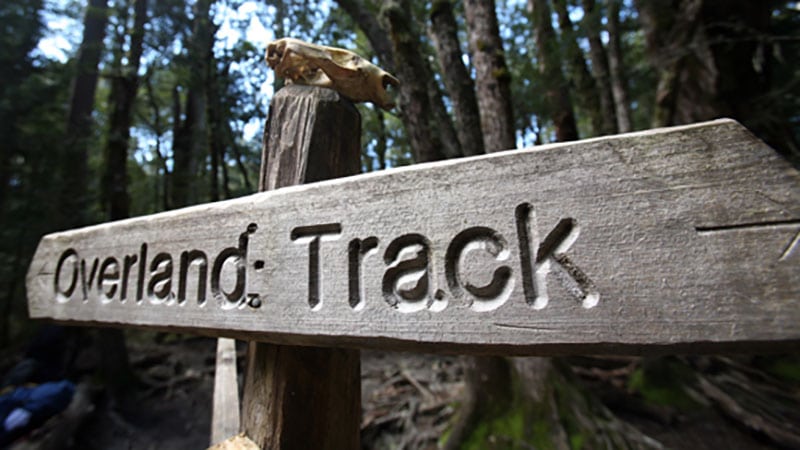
(388, 80)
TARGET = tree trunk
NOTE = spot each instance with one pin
(556, 92)
(585, 85)
(192, 142)
(706, 57)
(124, 86)
(376, 34)
(668, 33)
(24, 24)
(488, 378)
(395, 41)
(414, 73)
(597, 53)
(488, 395)
(492, 78)
(381, 147)
(619, 77)
(442, 122)
(459, 84)
(115, 364)
(73, 204)
(216, 130)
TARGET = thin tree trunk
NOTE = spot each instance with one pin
(395, 41)
(555, 89)
(380, 147)
(597, 53)
(585, 85)
(668, 34)
(75, 165)
(488, 378)
(237, 156)
(619, 78)
(414, 73)
(442, 122)
(192, 142)
(278, 29)
(156, 126)
(124, 86)
(459, 84)
(216, 137)
(369, 24)
(17, 270)
(492, 78)
(181, 153)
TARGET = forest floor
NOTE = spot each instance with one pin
(409, 401)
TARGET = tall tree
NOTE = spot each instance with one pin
(616, 65)
(191, 139)
(414, 74)
(714, 62)
(585, 87)
(114, 190)
(18, 36)
(74, 200)
(395, 39)
(488, 391)
(124, 86)
(555, 87)
(216, 130)
(366, 19)
(459, 84)
(592, 15)
(492, 78)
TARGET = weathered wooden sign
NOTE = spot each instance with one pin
(683, 237)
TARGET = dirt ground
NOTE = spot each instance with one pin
(408, 403)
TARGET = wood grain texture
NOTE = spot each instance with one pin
(305, 397)
(225, 408)
(677, 239)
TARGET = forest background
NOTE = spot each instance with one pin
(118, 108)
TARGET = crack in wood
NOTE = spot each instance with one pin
(771, 225)
(524, 327)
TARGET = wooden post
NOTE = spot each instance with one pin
(225, 409)
(305, 397)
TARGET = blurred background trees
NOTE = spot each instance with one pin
(117, 108)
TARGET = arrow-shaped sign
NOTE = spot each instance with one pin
(682, 238)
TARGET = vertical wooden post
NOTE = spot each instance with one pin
(304, 397)
(225, 410)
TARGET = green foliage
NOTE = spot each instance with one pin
(663, 381)
(784, 367)
(507, 431)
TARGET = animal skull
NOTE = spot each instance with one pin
(342, 70)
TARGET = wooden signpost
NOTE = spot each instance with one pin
(677, 239)
(680, 237)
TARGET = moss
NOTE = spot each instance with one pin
(663, 382)
(505, 431)
(785, 367)
(576, 441)
(501, 74)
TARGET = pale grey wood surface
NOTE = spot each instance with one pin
(676, 239)
(225, 408)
